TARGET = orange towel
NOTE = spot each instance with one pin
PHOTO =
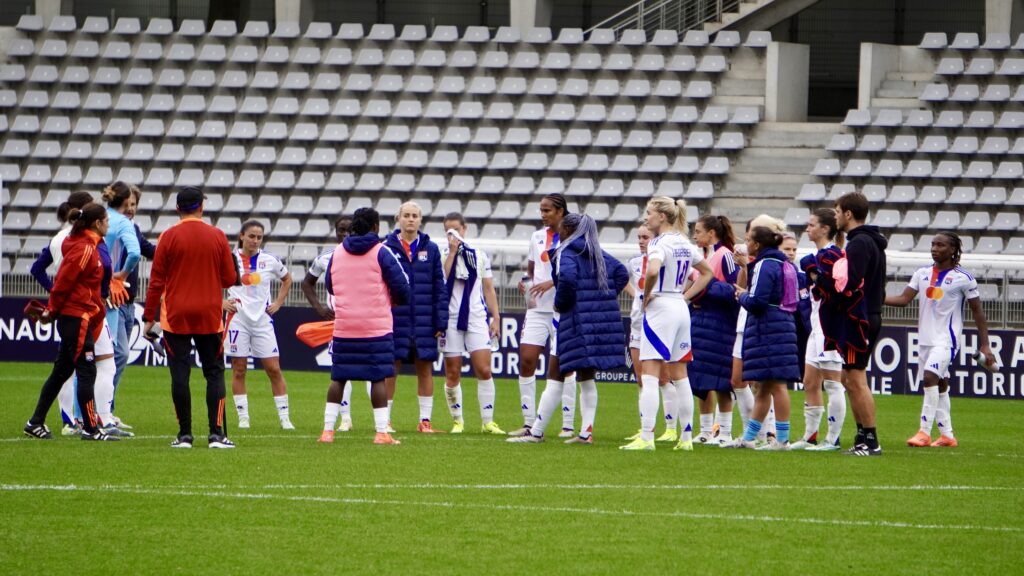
(315, 334)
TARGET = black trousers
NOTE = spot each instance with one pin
(76, 355)
(210, 348)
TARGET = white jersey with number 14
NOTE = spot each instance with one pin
(678, 257)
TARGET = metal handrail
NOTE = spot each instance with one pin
(679, 15)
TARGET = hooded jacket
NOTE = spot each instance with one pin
(712, 327)
(426, 313)
(769, 337)
(865, 254)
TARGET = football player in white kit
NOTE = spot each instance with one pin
(339, 398)
(538, 326)
(942, 287)
(666, 319)
(823, 366)
(470, 284)
(250, 328)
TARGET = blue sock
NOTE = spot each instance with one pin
(753, 427)
(782, 431)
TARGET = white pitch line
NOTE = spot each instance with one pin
(517, 508)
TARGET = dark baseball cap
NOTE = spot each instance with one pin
(190, 198)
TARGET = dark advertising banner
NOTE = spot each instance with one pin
(893, 368)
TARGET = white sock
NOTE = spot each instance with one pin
(812, 421)
(769, 422)
(928, 408)
(725, 424)
(485, 394)
(707, 422)
(242, 405)
(549, 402)
(282, 406)
(648, 406)
(588, 407)
(66, 399)
(331, 412)
(745, 404)
(684, 407)
(454, 397)
(104, 390)
(528, 399)
(380, 420)
(944, 416)
(391, 404)
(569, 403)
(669, 402)
(346, 401)
(836, 410)
(426, 407)
(369, 390)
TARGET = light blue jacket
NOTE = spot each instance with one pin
(121, 238)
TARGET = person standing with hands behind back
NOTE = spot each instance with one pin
(191, 268)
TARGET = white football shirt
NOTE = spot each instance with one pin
(636, 268)
(477, 305)
(258, 272)
(678, 256)
(941, 321)
(319, 267)
(540, 242)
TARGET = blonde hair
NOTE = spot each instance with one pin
(674, 211)
(770, 222)
(409, 204)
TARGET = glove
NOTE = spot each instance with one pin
(118, 293)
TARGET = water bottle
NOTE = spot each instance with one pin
(983, 361)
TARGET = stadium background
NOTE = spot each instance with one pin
(757, 123)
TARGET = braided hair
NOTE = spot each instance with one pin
(559, 202)
(958, 245)
(585, 227)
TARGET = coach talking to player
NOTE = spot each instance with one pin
(192, 266)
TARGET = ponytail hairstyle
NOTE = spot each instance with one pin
(827, 218)
(722, 227)
(115, 194)
(245, 228)
(766, 237)
(770, 222)
(365, 221)
(583, 226)
(674, 211)
(958, 245)
(83, 218)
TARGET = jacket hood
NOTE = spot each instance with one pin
(394, 239)
(360, 245)
(771, 253)
(870, 232)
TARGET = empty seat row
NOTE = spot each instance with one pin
(930, 144)
(893, 168)
(894, 118)
(970, 41)
(980, 66)
(909, 194)
(386, 32)
(946, 220)
(968, 93)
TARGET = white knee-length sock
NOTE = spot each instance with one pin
(346, 401)
(812, 421)
(836, 410)
(943, 415)
(744, 403)
(528, 399)
(588, 407)
(669, 406)
(331, 411)
(569, 403)
(454, 397)
(648, 406)
(104, 390)
(929, 405)
(549, 402)
(684, 407)
(485, 394)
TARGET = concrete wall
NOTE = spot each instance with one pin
(526, 14)
(877, 60)
(785, 97)
(1005, 16)
(300, 11)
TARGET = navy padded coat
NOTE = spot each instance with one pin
(590, 333)
(417, 321)
(713, 332)
(769, 338)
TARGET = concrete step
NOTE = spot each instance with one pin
(762, 190)
(908, 103)
(750, 70)
(782, 136)
(741, 210)
(787, 162)
(910, 76)
(728, 100)
(897, 93)
(740, 87)
(903, 85)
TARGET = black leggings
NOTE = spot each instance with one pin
(76, 355)
(179, 359)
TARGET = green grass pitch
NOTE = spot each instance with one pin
(283, 504)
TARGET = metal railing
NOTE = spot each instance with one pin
(680, 15)
(509, 257)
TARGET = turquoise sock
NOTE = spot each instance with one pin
(782, 431)
(753, 427)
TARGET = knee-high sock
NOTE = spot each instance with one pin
(836, 410)
(588, 406)
(281, 403)
(454, 397)
(812, 421)
(769, 420)
(745, 404)
(426, 407)
(684, 407)
(66, 400)
(725, 424)
(943, 415)
(485, 394)
(105, 370)
(669, 406)
(549, 402)
(569, 403)
(528, 399)
(929, 405)
(648, 406)
(331, 412)
(346, 401)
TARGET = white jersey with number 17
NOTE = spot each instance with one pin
(678, 257)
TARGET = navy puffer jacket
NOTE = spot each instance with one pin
(713, 331)
(426, 313)
(590, 333)
(769, 338)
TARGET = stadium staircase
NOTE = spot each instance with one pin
(706, 15)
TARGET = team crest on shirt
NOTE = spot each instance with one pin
(421, 255)
(262, 265)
